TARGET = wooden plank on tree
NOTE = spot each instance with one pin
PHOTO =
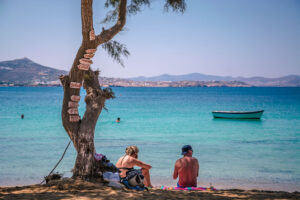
(75, 85)
(90, 50)
(92, 35)
(83, 67)
(85, 61)
(88, 55)
(73, 111)
(72, 104)
(74, 118)
(75, 98)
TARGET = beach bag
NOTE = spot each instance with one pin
(135, 177)
(111, 177)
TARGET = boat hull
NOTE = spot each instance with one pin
(238, 115)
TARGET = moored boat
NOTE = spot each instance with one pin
(238, 114)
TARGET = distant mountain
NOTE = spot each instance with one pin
(186, 77)
(291, 80)
(25, 71)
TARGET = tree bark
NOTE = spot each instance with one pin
(82, 132)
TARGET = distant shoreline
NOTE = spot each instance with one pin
(12, 73)
(11, 86)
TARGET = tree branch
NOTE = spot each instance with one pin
(86, 18)
(108, 34)
(95, 99)
(75, 75)
(71, 128)
(94, 102)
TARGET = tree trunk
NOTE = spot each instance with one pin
(81, 131)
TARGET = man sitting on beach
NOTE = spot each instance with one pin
(129, 160)
(187, 168)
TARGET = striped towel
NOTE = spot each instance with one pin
(188, 188)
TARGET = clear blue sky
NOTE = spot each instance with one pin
(224, 37)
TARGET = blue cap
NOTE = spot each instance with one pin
(185, 149)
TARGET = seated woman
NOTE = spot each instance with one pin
(129, 160)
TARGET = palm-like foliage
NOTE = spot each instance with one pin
(175, 5)
(115, 49)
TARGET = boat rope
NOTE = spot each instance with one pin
(57, 162)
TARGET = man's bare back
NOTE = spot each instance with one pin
(187, 168)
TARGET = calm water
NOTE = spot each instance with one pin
(262, 154)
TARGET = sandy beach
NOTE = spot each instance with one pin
(87, 191)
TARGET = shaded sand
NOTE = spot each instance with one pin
(87, 191)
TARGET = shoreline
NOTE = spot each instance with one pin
(218, 184)
(116, 86)
(77, 189)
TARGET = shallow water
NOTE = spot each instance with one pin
(248, 154)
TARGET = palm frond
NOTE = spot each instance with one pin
(112, 3)
(111, 16)
(175, 5)
(133, 8)
(116, 50)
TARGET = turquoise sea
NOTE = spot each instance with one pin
(261, 154)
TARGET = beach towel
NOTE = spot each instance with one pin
(188, 188)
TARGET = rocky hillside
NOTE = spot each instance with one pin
(25, 71)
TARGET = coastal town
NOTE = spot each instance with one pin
(118, 82)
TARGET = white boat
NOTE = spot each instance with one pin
(238, 114)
